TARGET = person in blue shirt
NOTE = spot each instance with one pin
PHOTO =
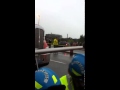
(47, 79)
(76, 78)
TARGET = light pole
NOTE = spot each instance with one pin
(38, 19)
(38, 16)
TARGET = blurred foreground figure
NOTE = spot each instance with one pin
(46, 79)
(76, 78)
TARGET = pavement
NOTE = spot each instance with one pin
(59, 63)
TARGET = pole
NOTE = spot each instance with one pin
(38, 19)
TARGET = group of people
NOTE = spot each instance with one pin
(47, 79)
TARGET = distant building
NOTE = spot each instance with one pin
(52, 36)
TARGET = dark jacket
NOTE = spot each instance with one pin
(84, 45)
(49, 41)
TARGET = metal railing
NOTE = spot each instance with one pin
(51, 50)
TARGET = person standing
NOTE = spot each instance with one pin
(55, 43)
(49, 43)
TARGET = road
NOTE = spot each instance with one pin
(59, 62)
(77, 51)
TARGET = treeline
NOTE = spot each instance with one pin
(70, 40)
(82, 39)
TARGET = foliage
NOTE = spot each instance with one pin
(82, 39)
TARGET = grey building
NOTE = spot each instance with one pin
(52, 36)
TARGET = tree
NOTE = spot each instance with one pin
(82, 39)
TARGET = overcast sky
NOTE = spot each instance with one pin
(61, 16)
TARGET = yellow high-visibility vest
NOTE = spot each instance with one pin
(55, 42)
(64, 81)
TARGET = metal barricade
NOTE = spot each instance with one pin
(38, 52)
(51, 50)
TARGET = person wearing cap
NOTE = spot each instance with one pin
(76, 78)
(47, 79)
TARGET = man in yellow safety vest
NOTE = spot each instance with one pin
(55, 42)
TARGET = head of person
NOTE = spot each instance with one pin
(47, 79)
(77, 71)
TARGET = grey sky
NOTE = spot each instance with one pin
(61, 16)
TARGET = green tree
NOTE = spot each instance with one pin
(70, 40)
(82, 39)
